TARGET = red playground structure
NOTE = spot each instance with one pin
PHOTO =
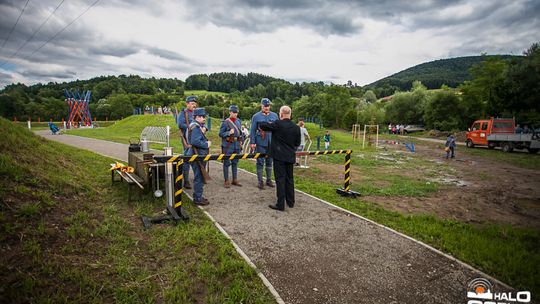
(79, 111)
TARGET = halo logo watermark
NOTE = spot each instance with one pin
(480, 291)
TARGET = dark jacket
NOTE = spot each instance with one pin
(285, 139)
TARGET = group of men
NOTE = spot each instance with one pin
(278, 137)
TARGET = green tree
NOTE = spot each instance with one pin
(370, 97)
(120, 106)
(407, 107)
(522, 83)
(443, 111)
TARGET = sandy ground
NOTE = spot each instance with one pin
(317, 253)
(487, 190)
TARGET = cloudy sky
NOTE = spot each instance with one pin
(306, 40)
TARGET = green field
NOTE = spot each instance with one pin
(202, 92)
(68, 236)
(506, 252)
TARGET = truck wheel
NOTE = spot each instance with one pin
(533, 151)
(469, 143)
(507, 147)
(491, 145)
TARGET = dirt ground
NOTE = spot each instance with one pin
(478, 190)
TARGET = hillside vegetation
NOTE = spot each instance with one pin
(450, 72)
(485, 86)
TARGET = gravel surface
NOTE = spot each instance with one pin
(317, 253)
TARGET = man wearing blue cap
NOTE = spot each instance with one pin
(260, 141)
(231, 143)
(199, 145)
(183, 120)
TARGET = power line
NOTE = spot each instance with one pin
(16, 22)
(33, 34)
(62, 30)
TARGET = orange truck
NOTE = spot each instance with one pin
(499, 132)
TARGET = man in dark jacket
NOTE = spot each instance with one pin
(285, 140)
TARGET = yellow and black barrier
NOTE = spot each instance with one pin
(174, 179)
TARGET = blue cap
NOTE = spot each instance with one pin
(191, 99)
(233, 108)
(265, 102)
(199, 112)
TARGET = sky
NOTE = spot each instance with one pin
(306, 40)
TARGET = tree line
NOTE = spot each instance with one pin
(498, 86)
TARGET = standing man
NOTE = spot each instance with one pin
(183, 120)
(260, 141)
(285, 140)
(231, 142)
(199, 145)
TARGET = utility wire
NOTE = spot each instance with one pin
(62, 30)
(33, 34)
(13, 28)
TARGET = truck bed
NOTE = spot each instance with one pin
(521, 140)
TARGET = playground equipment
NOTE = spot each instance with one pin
(356, 132)
(304, 164)
(79, 110)
(364, 137)
(174, 180)
(409, 146)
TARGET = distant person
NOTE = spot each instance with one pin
(326, 139)
(245, 131)
(260, 141)
(518, 129)
(303, 134)
(390, 128)
(450, 146)
(183, 120)
(526, 130)
(285, 139)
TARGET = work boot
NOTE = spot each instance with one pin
(236, 183)
(269, 183)
(202, 202)
(261, 185)
(226, 184)
(187, 185)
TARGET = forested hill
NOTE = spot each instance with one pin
(451, 72)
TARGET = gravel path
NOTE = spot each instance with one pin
(318, 253)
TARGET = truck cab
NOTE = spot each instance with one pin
(481, 129)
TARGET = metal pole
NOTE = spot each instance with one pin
(347, 177)
(364, 138)
(169, 181)
(377, 143)
(179, 186)
(168, 135)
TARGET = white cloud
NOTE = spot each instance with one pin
(306, 41)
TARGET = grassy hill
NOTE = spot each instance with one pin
(451, 72)
(67, 236)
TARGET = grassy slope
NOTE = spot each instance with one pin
(505, 252)
(67, 236)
